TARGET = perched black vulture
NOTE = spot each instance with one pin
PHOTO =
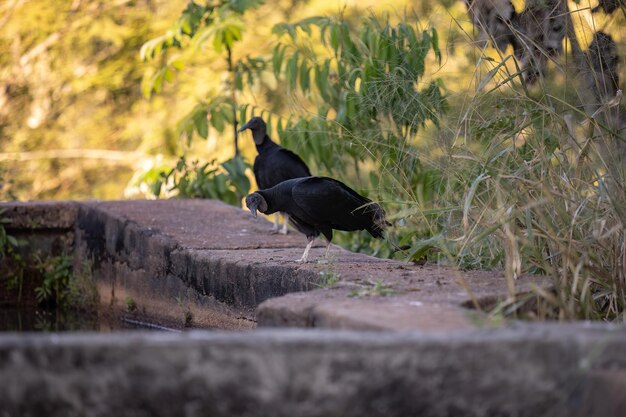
(274, 164)
(318, 205)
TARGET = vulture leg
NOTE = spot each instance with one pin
(275, 227)
(284, 230)
(305, 255)
(327, 250)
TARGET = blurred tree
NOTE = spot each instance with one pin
(218, 23)
(71, 114)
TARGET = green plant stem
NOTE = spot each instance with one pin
(233, 96)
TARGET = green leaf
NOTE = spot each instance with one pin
(218, 41)
(168, 74)
(280, 29)
(420, 250)
(156, 83)
(279, 128)
(334, 38)
(217, 121)
(243, 112)
(202, 36)
(321, 82)
(177, 64)
(201, 123)
(241, 6)
(12, 241)
(292, 71)
(238, 84)
(277, 59)
(228, 112)
(470, 196)
(435, 44)
(305, 78)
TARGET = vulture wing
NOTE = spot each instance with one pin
(289, 165)
(329, 202)
(276, 166)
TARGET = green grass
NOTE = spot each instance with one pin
(328, 279)
(374, 289)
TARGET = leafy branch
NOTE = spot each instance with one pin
(214, 24)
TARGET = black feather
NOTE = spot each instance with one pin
(273, 164)
(320, 204)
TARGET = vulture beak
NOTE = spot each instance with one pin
(254, 201)
(244, 127)
(253, 211)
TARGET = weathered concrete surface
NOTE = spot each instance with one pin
(40, 215)
(197, 224)
(337, 309)
(176, 259)
(178, 253)
(534, 371)
(421, 297)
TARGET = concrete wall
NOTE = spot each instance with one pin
(534, 371)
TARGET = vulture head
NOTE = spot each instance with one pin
(258, 128)
(254, 202)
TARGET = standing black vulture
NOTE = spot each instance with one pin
(318, 205)
(274, 164)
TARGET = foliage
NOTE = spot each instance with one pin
(60, 287)
(369, 98)
(364, 86)
(226, 181)
(69, 80)
(530, 202)
(131, 305)
(11, 258)
(8, 243)
(55, 287)
(63, 288)
(219, 25)
(6, 187)
(374, 289)
(533, 185)
(328, 279)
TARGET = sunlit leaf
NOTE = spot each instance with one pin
(305, 79)
(292, 70)
(168, 74)
(238, 81)
(201, 123)
(178, 64)
(435, 43)
(334, 38)
(277, 59)
(217, 121)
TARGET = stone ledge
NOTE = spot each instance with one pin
(569, 370)
(198, 224)
(204, 253)
(40, 214)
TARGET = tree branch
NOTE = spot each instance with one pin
(130, 157)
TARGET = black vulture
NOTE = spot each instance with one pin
(274, 164)
(318, 205)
